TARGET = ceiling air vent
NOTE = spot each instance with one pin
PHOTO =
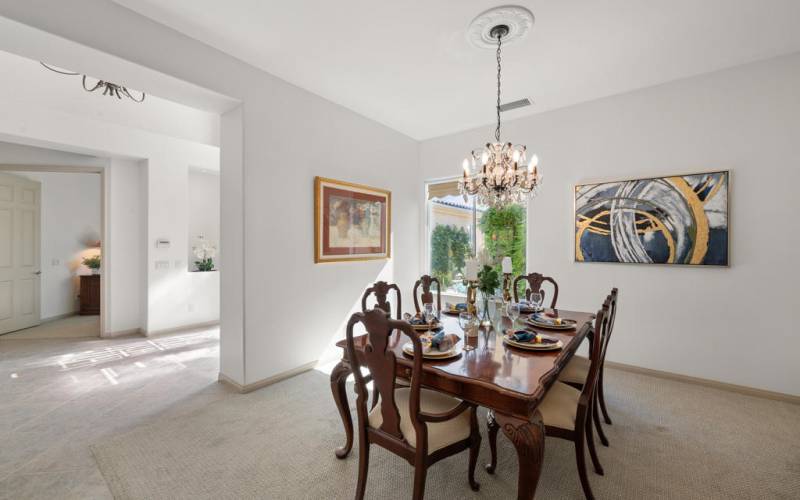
(515, 104)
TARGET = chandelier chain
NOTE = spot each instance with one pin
(499, 46)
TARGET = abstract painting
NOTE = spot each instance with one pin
(352, 222)
(681, 219)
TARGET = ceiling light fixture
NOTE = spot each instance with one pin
(108, 88)
(500, 173)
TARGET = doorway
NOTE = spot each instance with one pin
(50, 256)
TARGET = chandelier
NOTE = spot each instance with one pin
(500, 173)
(108, 88)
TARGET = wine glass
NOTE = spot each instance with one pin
(430, 314)
(465, 321)
(537, 298)
(513, 310)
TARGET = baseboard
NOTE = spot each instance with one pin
(121, 333)
(59, 316)
(183, 328)
(244, 389)
(740, 389)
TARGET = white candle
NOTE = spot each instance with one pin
(507, 267)
(471, 270)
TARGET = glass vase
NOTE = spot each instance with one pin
(486, 309)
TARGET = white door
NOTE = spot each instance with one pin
(19, 253)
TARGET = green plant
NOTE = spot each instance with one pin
(206, 264)
(504, 235)
(92, 262)
(449, 247)
(488, 280)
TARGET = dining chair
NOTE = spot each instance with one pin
(427, 296)
(381, 290)
(577, 370)
(567, 411)
(420, 425)
(533, 284)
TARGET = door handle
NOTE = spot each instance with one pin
(38, 273)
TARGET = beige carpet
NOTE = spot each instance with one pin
(70, 327)
(669, 440)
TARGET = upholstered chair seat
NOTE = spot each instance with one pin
(560, 406)
(576, 370)
(440, 434)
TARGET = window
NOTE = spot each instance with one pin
(459, 229)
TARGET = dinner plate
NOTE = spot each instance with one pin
(566, 324)
(453, 312)
(534, 347)
(425, 328)
(454, 351)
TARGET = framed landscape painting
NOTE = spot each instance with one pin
(351, 221)
(680, 219)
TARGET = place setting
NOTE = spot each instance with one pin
(527, 338)
(436, 343)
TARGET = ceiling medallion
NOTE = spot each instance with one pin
(108, 88)
(501, 173)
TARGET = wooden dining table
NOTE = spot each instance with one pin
(509, 381)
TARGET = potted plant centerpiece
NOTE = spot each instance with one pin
(93, 263)
(488, 283)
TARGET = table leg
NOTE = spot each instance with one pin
(492, 427)
(528, 439)
(339, 389)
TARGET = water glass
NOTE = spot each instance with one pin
(467, 323)
(430, 313)
(537, 298)
(513, 310)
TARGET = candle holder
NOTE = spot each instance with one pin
(472, 292)
(507, 287)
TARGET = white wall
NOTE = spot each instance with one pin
(728, 324)
(176, 297)
(203, 189)
(126, 233)
(70, 222)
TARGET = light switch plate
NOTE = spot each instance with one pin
(162, 264)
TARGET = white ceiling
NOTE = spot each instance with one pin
(407, 63)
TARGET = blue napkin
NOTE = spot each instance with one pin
(437, 338)
(523, 336)
(541, 318)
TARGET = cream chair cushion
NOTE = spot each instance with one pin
(576, 371)
(560, 406)
(440, 434)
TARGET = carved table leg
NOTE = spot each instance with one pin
(528, 439)
(492, 427)
(339, 389)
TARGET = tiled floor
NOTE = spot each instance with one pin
(57, 396)
(69, 327)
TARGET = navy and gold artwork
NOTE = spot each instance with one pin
(666, 220)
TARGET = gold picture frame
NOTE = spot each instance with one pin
(352, 222)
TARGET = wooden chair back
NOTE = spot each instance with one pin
(427, 296)
(381, 290)
(534, 283)
(612, 316)
(381, 362)
(596, 351)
